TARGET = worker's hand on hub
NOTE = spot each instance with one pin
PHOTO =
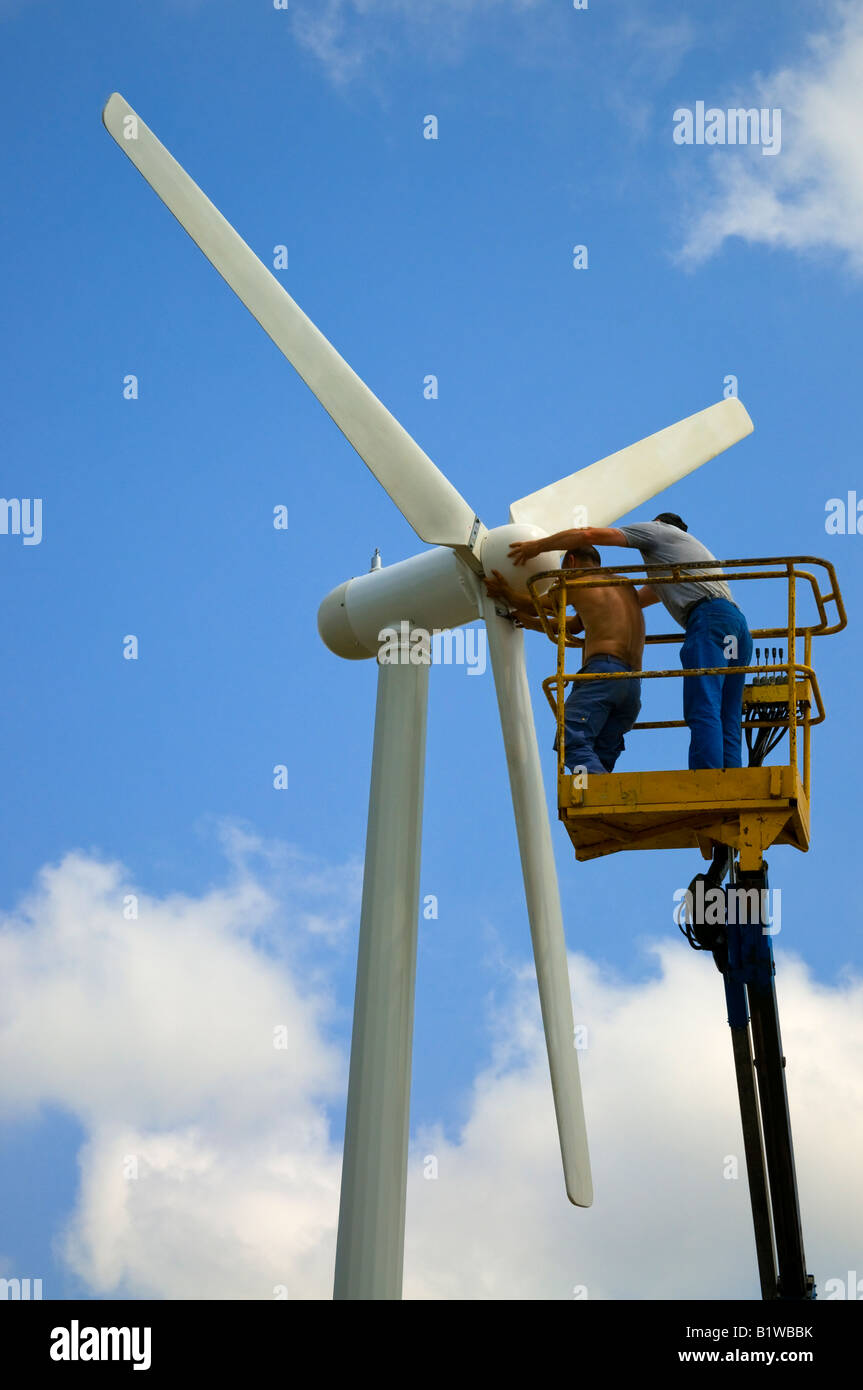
(522, 551)
(497, 586)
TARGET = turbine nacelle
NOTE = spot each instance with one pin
(434, 590)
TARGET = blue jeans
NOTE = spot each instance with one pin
(712, 705)
(596, 716)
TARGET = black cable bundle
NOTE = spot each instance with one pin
(761, 741)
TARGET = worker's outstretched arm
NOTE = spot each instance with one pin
(574, 625)
(519, 604)
(647, 596)
(523, 608)
(578, 538)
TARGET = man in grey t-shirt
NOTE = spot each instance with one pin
(717, 633)
(667, 542)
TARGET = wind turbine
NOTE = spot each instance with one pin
(437, 589)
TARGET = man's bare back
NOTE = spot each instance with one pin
(610, 615)
(613, 622)
(599, 712)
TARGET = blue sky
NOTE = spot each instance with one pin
(451, 257)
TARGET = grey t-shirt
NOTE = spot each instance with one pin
(662, 543)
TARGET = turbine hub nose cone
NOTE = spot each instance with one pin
(335, 628)
(495, 555)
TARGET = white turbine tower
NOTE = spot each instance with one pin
(440, 588)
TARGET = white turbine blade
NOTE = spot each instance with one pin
(427, 500)
(506, 643)
(602, 492)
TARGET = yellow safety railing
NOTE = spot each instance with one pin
(796, 684)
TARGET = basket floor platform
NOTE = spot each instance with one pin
(748, 808)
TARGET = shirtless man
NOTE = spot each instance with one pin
(597, 713)
(717, 633)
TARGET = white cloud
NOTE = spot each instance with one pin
(654, 51)
(809, 197)
(347, 35)
(157, 1035)
(662, 1113)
